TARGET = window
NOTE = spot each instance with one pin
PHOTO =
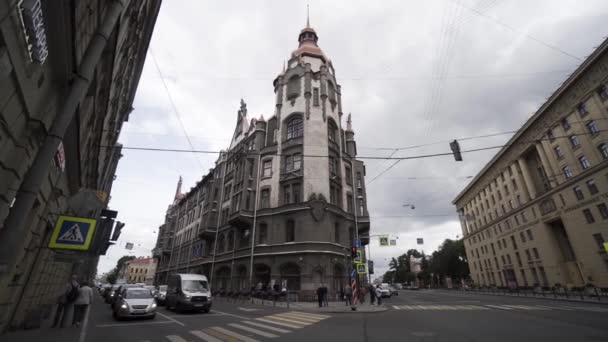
(504, 261)
(290, 231)
(296, 189)
(602, 91)
(336, 232)
(514, 185)
(518, 198)
(349, 203)
(315, 96)
(578, 192)
(267, 168)
(361, 207)
(286, 194)
(522, 236)
(263, 233)
(513, 242)
(523, 275)
(511, 204)
(582, 110)
(265, 199)
(331, 131)
(359, 182)
(349, 175)
(561, 198)
(506, 190)
(603, 210)
(518, 257)
(574, 141)
(550, 135)
(295, 128)
(584, 162)
(499, 195)
(528, 256)
(565, 124)
(558, 152)
(592, 187)
(293, 162)
(603, 150)
(588, 216)
(543, 275)
(293, 87)
(599, 240)
(530, 236)
(592, 127)
(535, 252)
(567, 172)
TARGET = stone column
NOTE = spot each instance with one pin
(546, 165)
(529, 185)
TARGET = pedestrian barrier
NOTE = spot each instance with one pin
(586, 293)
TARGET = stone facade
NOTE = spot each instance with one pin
(140, 270)
(290, 182)
(537, 214)
(32, 91)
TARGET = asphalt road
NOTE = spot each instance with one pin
(411, 316)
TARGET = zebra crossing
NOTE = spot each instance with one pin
(252, 330)
(504, 307)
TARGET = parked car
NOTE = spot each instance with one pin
(120, 288)
(134, 302)
(398, 286)
(384, 290)
(393, 290)
(110, 293)
(188, 292)
(161, 294)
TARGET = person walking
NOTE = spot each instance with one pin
(325, 295)
(348, 292)
(379, 294)
(372, 294)
(81, 304)
(320, 295)
(65, 300)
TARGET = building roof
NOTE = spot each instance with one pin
(565, 85)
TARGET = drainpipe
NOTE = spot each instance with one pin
(219, 216)
(14, 233)
(255, 215)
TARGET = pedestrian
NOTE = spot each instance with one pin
(348, 291)
(325, 295)
(65, 299)
(320, 295)
(372, 294)
(379, 294)
(81, 304)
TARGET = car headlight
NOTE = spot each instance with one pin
(124, 306)
(209, 298)
(154, 304)
(188, 296)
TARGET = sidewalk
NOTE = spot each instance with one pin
(333, 307)
(572, 298)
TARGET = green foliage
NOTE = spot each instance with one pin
(113, 275)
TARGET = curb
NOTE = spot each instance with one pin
(531, 297)
(344, 312)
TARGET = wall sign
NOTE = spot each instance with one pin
(33, 22)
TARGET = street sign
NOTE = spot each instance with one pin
(129, 245)
(383, 241)
(393, 242)
(606, 246)
(358, 243)
(353, 273)
(358, 259)
(361, 268)
(420, 241)
(73, 233)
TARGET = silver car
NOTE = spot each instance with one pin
(134, 302)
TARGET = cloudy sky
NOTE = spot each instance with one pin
(412, 73)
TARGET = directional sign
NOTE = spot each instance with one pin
(362, 268)
(73, 233)
(353, 273)
(358, 243)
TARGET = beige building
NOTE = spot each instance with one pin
(140, 270)
(538, 211)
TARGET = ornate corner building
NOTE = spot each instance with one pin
(44, 48)
(285, 201)
(537, 214)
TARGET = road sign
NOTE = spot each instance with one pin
(353, 273)
(420, 241)
(358, 243)
(606, 246)
(358, 259)
(383, 241)
(129, 245)
(73, 233)
(393, 242)
(361, 268)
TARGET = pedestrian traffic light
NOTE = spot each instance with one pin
(456, 150)
(353, 252)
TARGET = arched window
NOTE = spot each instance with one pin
(603, 150)
(295, 128)
(290, 231)
(332, 131)
(293, 87)
(331, 92)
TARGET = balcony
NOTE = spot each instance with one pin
(207, 231)
(159, 251)
(241, 218)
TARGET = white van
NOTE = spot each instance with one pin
(188, 292)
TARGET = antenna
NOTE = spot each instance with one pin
(307, 16)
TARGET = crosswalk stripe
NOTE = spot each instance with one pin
(278, 323)
(288, 320)
(396, 307)
(175, 338)
(204, 336)
(499, 307)
(310, 314)
(222, 337)
(476, 307)
(268, 327)
(297, 314)
(306, 319)
(434, 307)
(252, 330)
(235, 335)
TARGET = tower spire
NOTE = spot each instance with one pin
(307, 16)
(178, 191)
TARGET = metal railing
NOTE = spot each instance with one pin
(584, 293)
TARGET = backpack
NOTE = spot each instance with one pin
(73, 294)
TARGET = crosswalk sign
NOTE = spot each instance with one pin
(361, 268)
(73, 233)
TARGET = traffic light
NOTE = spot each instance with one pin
(353, 252)
(117, 228)
(370, 266)
(456, 150)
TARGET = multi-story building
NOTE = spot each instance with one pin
(538, 211)
(286, 199)
(68, 75)
(140, 270)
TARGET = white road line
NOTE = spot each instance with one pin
(310, 314)
(195, 316)
(522, 307)
(590, 309)
(434, 307)
(204, 336)
(229, 314)
(83, 330)
(553, 308)
(305, 319)
(278, 323)
(172, 319)
(175, 338)
(297, 314)
(131, 324)
(476, 307)
(233, 334)
(396, 307)
(499, 307)
(289, 320)
(268, 327)
(252, 330)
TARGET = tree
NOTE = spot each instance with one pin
(113, 274)
(450, 260)
(399, 268)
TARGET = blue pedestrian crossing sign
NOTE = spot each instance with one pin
(73, 233)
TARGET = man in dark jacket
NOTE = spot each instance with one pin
(372, 294)
(320, 295)
(66, 300)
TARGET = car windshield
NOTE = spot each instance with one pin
(138, 294)
(194, 285)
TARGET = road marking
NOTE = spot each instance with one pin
(310, 314)
(83, 330)
(246, 309)
(284, 331)
(396, 307)
(172, 319)
(590, 309)
(499, 307)
(289, 320)
(222, 337)
(175, 338)
(233, 334)
(229, 314)
(306, 315)
(478, 307)
(278, 323)
(252, 330)
(195, 316)
(131, 324)
(522, 307)
(434, 307)
(305, 319)
(204, 336)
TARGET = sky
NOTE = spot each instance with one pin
(412, 73)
